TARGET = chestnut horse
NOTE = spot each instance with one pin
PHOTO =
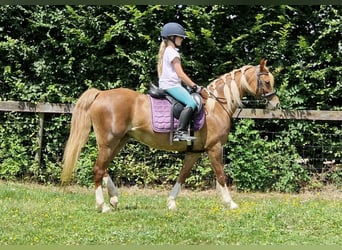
(118, 114)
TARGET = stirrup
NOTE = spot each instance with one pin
(182, 136)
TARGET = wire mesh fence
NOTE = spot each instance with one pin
(318, 151)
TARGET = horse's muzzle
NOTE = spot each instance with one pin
(273, 103)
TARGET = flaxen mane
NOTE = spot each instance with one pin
(230, 88)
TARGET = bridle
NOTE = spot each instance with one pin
(260, 87)
(265, 97)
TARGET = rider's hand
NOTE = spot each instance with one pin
(196, 88)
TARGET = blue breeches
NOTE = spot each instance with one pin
(182, 95)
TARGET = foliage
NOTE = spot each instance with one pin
(16, 151)
(54, 53)
(267, 165)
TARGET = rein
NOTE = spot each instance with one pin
(217, 98)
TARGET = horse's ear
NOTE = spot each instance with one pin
(263, 64)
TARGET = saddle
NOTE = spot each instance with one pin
(166, 111)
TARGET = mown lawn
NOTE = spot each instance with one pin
(33, 214)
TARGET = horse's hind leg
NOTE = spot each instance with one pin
(105, 156)
(100, 169)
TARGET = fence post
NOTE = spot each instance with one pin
(38, 156)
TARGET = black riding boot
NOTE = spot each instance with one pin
(181, 134)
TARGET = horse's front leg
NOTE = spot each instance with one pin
(227, 199)
(189, 161)
(216, 157)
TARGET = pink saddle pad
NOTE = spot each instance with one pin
(161, 116)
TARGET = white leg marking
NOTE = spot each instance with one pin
(100, 204)
(105, 180)
(171, 200)
(227, 199)
(112, 189)
(171, 203)
(114, 201)
(113, 192)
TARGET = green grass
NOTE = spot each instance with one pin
(33, 214)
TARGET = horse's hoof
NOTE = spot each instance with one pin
(172, 207)
(98, 208)
(171, 204)
(105, 209)
(233, 205)
(114, 202)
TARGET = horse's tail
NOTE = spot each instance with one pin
(79, 133)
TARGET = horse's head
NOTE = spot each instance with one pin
(231, 87)
(262, 85)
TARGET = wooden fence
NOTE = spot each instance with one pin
(57, 108)
(315, 115)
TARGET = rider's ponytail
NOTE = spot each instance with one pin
(162, 48)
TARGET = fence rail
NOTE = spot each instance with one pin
(315, 115)
(13, 106)
(57, 108)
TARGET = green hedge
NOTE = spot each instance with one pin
(54, 53)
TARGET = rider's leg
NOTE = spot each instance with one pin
(182, 95)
